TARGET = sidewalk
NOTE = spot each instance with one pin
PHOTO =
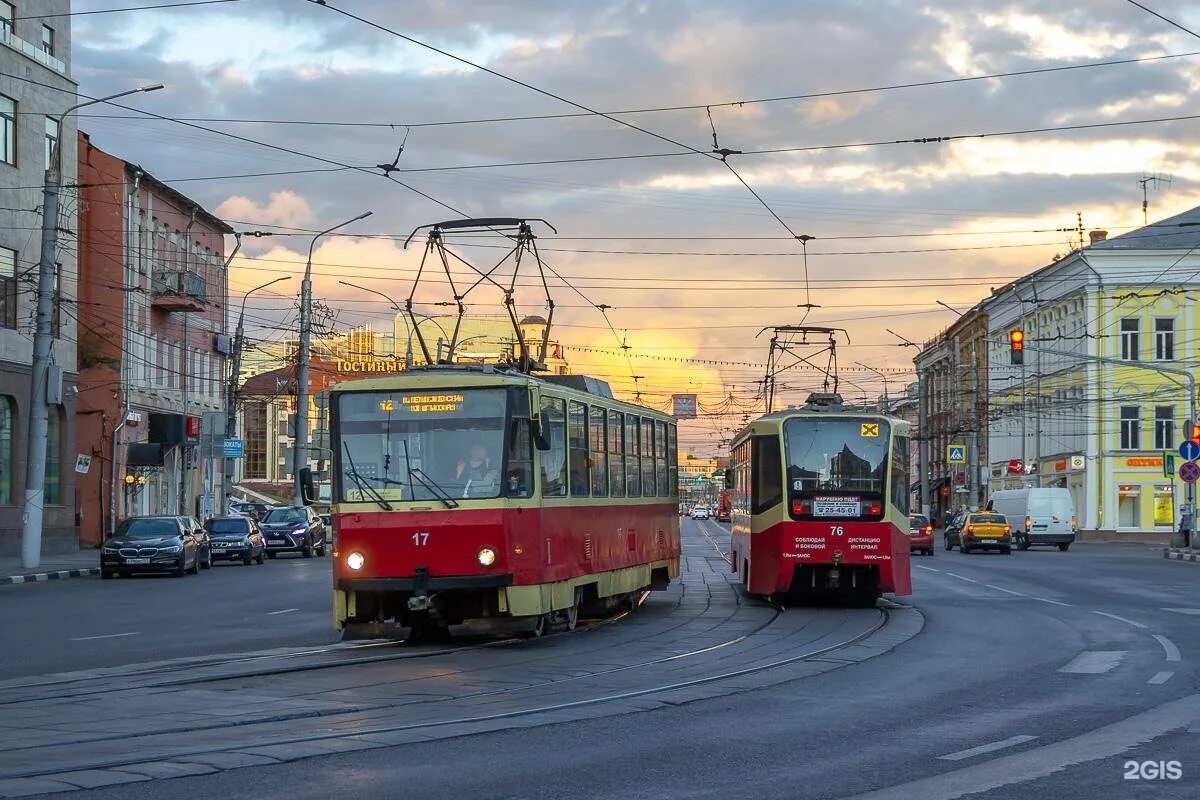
(1181, 554)
(52, 568)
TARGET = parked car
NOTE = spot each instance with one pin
(236, 538)
(294, 530)
(155, 544)
(700, 512)
(980, 530)
(1037, 516)
(250, 509)
(920, 534)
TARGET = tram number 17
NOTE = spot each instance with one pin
(421, 539)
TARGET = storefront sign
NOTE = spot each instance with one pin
(1144, 461)
(369, 366)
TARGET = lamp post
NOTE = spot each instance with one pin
(231, 391)
(43, 340)
(886, 400)
(299, 450)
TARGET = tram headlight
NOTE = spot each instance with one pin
(486, 556)
(355, 560)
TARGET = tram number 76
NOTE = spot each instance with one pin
(421, 539)
(836, 530)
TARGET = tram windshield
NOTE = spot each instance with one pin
(438, 445)
(844, 458)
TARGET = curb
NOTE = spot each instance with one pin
(1180, 555)
(49, 576)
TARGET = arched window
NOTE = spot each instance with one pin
(6, 450)
(53, 457)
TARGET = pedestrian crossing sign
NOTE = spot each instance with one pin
(956, 454)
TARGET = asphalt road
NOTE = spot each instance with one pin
(85, 623)
(1036, 675)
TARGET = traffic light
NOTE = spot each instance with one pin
(1191, 430)
(1016, 346)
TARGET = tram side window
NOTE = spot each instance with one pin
(519, 477)
(577, 448)
(672, 462)
(660, 458)
(616, 453)
(648, 482)
(554, 460)
(633, 469)
(599, 460)
(900, 477)
(766, 473)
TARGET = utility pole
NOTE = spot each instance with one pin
(184, 377)
(43, 341)
(231, 389)
(300, 448)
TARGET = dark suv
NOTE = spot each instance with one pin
(236, 538)
(294, 530)
(155, 544)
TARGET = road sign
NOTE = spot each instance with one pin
(233, 448)
(956, 454)
(1168, 464)
(1189, 472)
(1189, 450)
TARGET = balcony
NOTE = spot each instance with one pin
(30, 49)
(174, 290)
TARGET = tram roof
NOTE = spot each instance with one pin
(819, 412)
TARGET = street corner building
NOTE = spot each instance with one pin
(153, 346)
(35, 90)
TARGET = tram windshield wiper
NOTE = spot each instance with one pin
(361, 481)
(434, 488)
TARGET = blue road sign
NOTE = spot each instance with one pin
(1189, 450)
(1189, 472)
(956, 454)
(233, 448)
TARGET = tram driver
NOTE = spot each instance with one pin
(477, 473)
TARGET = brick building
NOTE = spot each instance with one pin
(153, 342)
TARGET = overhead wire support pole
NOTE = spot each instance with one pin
(184, 374)
(43, 341)
(300, 447)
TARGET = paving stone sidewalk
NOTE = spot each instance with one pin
(82, 564)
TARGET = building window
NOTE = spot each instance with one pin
(1164, 339)
(6, 450)
(1129, 506)
(1129, 339)
(7, 12)
(8, 130)
(8, 288)
(53, 457)
(1130, 428)
(1164, 428)
(51, 140)
(1164, 505)
(254, 429)
(47, 40)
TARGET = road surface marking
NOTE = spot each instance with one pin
(1002, 589)
(928, 569)
(1094, 662)
(1195, 612)
(1121, 619)
(284, 611)
(961, 577)
(1052, 602)
(1169, 647)
(103, 636)
(987, 748)
(1160, 677)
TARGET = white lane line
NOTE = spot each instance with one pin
(927, 569)
(284, 611)
(104, 636)
(987, 748)
(1002, 589)
(1160, 678)
(1052, 602)
(1195, 612)
(1121, 619)
(1094, 662)
(961, 577)
(1168, 647)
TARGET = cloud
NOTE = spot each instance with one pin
(285, 208)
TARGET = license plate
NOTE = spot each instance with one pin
(836, 507)
(277, 541)
(137, 561)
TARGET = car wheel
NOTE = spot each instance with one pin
(306, 551)
(1063, 547)
(1006, 551)
(966, 551)
(247, 559)
(181, 570)
(260, 559)
(270, 554)
(195, 570)
(207, 561)
(1024, 543)
(106, 574)
(929, 552)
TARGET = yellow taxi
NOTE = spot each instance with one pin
(983, 530)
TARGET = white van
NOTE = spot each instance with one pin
(1037, 516)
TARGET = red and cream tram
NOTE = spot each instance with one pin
(491, 498)
(820, 503)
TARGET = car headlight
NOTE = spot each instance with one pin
(174, 548)
(109, 551)
(355, 561)
(486, 556)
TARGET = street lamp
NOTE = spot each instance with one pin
(39, 410)
(232, 389)
(299, 454)
(886, 401)
(408, 353)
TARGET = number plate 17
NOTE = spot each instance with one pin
(421, 539)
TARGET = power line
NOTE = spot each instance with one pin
(1171, 22)
(130, 8)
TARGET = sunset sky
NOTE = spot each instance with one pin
(691, 263)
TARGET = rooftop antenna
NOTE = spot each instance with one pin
(1158, 180)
